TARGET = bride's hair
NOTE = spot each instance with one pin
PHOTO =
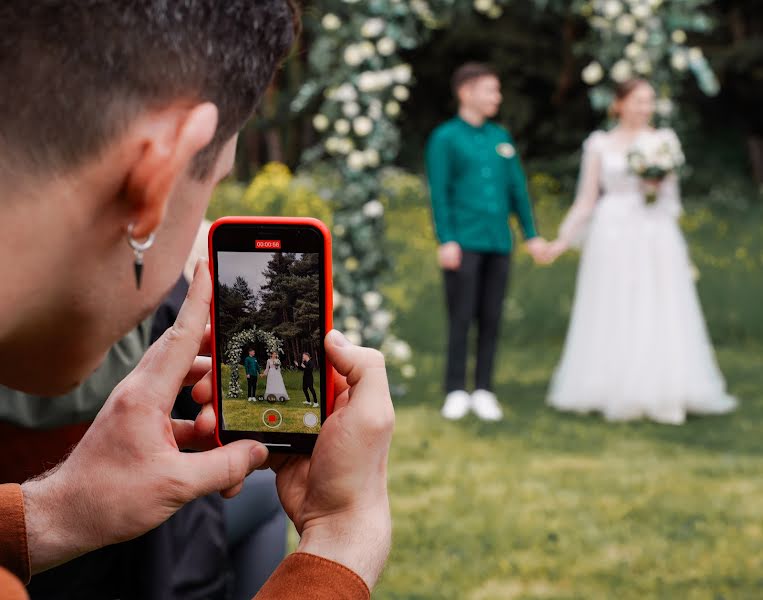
(622, 91)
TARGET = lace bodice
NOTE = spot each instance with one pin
(605, 177)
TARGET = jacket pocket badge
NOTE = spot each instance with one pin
(506, 150)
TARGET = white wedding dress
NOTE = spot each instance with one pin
(275, 384)
(637, 344)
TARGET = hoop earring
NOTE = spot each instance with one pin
(138, 249)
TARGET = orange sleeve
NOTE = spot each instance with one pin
(14, 554)
(309, 577)
(10, 587)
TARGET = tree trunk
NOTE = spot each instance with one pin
(755, 149)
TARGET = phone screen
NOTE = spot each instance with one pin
(269, 329)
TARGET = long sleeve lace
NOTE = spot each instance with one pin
(573, 227)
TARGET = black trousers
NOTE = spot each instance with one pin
(251, 384)
(475, 292)
(307, 385)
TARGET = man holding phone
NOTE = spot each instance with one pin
(108, 155)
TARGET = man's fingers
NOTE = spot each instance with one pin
(223, 468)
(167, 362)
(354, 362)
(202, 391)
(200, 367)
(204, 426)
(340, 383)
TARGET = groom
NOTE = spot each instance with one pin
(476, 182)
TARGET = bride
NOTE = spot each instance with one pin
(637, 345)
(275, 385)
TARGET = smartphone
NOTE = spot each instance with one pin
(271, 310)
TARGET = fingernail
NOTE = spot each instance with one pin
(338, 339)
(199, 264)
(257, 456)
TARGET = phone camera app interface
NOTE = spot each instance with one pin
(269, 328)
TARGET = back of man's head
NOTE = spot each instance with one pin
(75, 73)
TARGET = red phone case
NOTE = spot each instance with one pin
(328, 300)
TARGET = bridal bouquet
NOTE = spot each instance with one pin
(652, 158)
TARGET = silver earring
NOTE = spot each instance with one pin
(138, 249)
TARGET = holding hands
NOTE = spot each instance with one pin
(545, 252)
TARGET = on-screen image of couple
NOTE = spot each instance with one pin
(275, 388)
(269, 321)
(637, 345)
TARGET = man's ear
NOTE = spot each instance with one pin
(169, 141)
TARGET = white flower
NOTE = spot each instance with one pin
(599, 23)
(353, 55)
(695, 55)
(331, 22)
(342, 126)
(344, 93)
(621, 71)
(345, 145)
(641, 36)
(381, 319)
(372, 157)
(373, 209)
(593, 73)
(633, 50)
(351, 109)
(356, 160)
(495, 12)
(678, 36)
(373, 28)
(679, 61)
(483, 5)
(374, 81)
(337, 297)
(367, 48)
(612, 9)
(321, 122)
(353, 336)
(331, 144)
(362, 126)
(401, 351)
(392, 108)
(625, 25)
(372, 300)
(408, 371)
(351, 323)
(375, 109)
(643, 66)
(401, 93)
(402, 73)
(664, 107)
(386, 46)
(642, 11)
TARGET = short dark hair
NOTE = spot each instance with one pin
(306, 352)
(468, 72)
(75, 73)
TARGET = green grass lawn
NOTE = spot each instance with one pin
(552, 506)
(547, 505)
(241, 415)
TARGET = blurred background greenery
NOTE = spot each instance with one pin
(546, 505)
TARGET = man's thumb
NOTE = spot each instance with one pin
(223, 468)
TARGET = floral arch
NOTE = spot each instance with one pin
(362, 82)
(236, 347)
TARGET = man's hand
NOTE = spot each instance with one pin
(127, 474)
(337, 498)
(449, 256)
(537, 247)
(555, 249)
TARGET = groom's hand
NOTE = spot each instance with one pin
(127, 475)
(337, 498)
(538, 249)
(449, 255)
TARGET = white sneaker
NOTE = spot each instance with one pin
(456, 405)
(307, 402)
(316, 405)
(485, 406)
